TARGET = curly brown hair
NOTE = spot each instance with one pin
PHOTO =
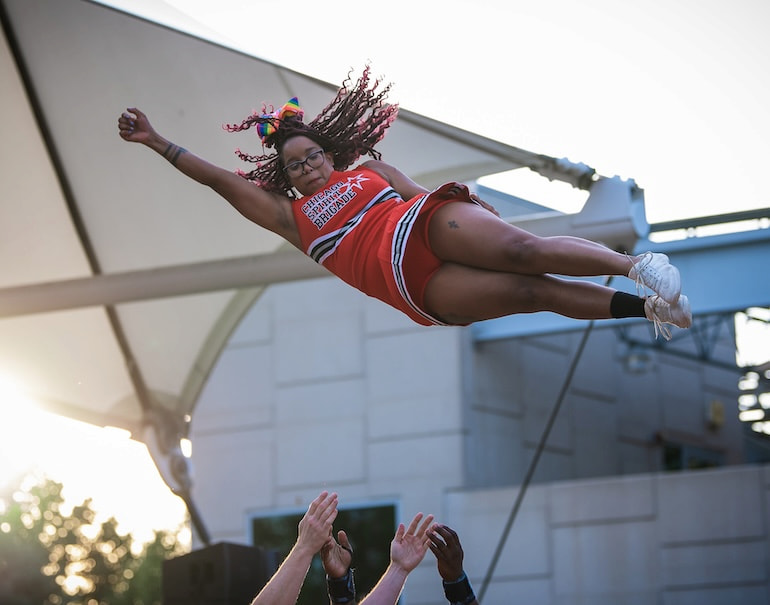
(349, 127)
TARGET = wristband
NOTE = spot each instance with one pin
(459, 592)
(342, 590)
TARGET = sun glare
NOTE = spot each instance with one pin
(91, 462)
(18, 413)
(753, 336)
(11, 394)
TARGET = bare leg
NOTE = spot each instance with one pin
(469, 235)
(459, 294)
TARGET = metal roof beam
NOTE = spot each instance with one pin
(178, 280)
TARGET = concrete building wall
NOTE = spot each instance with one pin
(352, 397)
(611, 421)
(670, 539)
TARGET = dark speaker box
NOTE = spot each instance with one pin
(220, 574)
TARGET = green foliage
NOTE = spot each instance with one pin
(52, 558)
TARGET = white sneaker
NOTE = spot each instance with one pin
(653, 271)
(659, 312)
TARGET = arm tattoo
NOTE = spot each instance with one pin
(173, 152)
(453, 225)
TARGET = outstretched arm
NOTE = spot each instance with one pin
(407, 549)
(445, 544)
(269, 210)
(336, 558)
(314, 529)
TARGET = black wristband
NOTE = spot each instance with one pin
(459, 592)
(342, 590)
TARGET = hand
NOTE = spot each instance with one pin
(484, 204)
(336, 557)
(133, 126)
(315, 527)
(445, 544)
(410, 545)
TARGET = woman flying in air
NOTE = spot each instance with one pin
(442, 257)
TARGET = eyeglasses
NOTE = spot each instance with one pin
(314, 160)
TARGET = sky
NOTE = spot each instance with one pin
(671, 93)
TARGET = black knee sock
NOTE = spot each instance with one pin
(626, 305)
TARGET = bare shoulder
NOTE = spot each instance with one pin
(404, 185)
(386, 171)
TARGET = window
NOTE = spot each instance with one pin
(370, 530)
(682, 457)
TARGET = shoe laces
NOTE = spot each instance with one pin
(660, 326)
(638, 267)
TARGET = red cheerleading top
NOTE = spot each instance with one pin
(361, 230)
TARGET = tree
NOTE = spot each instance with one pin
(51, 558)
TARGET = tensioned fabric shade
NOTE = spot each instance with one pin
(79, 207)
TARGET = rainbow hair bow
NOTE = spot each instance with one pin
(271, 121)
